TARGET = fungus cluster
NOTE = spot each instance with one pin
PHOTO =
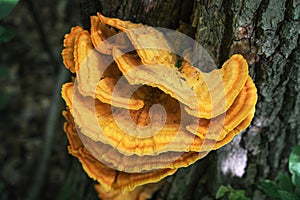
(134, 116)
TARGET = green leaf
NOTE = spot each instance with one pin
(6, 35)
(296, 182)
(284, 195)
(294, 166)
(6, 6)
(269, 188)
(222, 191)
(238, 195)
(232, 193)
(285, 182)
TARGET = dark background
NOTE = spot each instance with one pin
(33, 147)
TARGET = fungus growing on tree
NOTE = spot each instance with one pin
(134, 117)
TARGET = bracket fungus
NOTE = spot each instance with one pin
(134, 116)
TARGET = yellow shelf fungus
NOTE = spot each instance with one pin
(133, 117)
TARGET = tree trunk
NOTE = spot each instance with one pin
(266, 32)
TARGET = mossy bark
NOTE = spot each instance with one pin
(266, 32)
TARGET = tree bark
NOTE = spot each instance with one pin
(158, 13)
(266, 32)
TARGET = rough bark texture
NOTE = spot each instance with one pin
(266, 32)
(165, 14)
